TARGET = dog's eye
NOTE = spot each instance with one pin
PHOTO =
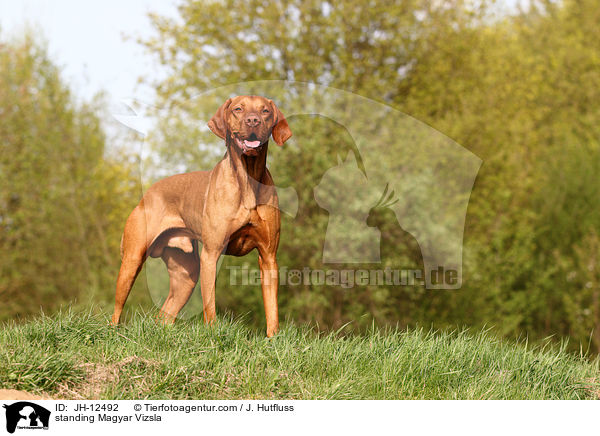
(237, 109)
(265, 111)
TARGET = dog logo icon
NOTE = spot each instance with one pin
(26, 415)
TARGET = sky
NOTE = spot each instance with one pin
(86, 39)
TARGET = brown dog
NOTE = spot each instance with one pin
(231, 209)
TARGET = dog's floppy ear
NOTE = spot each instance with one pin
(217, 123)
(281, 131)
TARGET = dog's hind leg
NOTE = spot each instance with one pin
(133, 248)
(184, 270)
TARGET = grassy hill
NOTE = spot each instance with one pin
(76, 355)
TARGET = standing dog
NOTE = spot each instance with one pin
(231, 209)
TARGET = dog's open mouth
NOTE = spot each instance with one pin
(250, 145)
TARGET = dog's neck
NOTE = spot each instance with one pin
(248, 170)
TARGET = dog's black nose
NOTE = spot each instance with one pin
(252, 120)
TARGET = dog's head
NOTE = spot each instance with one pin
(249, 120)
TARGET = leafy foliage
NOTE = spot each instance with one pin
(62, 198)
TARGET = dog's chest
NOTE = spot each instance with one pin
(243, 239)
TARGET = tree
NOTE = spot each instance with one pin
(62, 200)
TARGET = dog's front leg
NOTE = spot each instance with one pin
(208, 272)
(269, 275)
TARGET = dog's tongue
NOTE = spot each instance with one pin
(251, 144)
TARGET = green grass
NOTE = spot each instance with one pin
(76, 355)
